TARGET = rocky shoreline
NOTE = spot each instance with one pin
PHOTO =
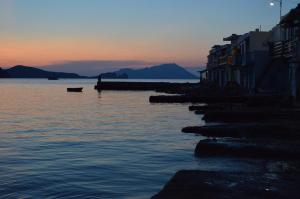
(263, 130)
(226, 185)
(245, 129)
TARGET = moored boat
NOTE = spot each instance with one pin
(75, 89)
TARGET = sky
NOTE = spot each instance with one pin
(108, 34)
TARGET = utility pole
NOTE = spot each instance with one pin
(280, 13)
(280, 6)
(280, 9)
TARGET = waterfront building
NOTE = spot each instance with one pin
(283, 73)
(242, 61)
(217, 64)
(260, 61)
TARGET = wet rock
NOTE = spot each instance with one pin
(226, 185)
(194, 99)
(206, 107)
(173, 99)
(270, 100)
(248, 149)
(264, 131)
(146, 86)
(262, 115)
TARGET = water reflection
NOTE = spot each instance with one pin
(101, 145)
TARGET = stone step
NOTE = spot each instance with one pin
(197, 184)
(262, 115)
(248, 149)
(265, 131)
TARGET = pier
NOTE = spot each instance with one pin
(145, 86)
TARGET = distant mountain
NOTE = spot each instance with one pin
(114, 75)
(30, 72)
(3, 73)
(195, 70)
(165, 71)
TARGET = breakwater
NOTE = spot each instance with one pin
(248, 130)
(263, 130)
(166, 87)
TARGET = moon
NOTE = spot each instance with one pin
(272, 4)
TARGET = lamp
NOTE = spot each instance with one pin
(272, 3)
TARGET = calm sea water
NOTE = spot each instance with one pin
(55, 144)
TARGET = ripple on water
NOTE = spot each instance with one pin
(89, 145)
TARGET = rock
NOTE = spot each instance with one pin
(248, 149)
(227, 185)
(194, 99)
(207, 107)
(262, 115)
(172, 99)
(270, 100)
(258, 130)
(145, 86)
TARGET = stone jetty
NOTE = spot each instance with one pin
(188, 98)
(197, 184)
(205, 107)
(262, 131)
(287, 131)
(244, 148)
(268, 135)
(252, 115)
(165, 87)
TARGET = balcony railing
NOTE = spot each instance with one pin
(223, 60)
(290, 49)
(284, 49)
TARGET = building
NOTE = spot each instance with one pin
(259, 61)
(241, 61)
(283, 74)
(217, 65)
(253, 56)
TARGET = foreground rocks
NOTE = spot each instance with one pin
(146, 86)
(204, 108)
(194, 99)
(248, 115)
(288, 131)
(227, 185)
(248, 149)
(257, 129)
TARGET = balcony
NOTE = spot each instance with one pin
(284, 49)
(290, 49)
(223, 60)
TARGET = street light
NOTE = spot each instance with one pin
(272, 3)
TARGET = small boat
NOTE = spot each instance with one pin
(52, 78)
(74, 89)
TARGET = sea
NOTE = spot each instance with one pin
(109, 144)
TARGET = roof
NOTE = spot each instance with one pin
(231, 37)
(216, 46)
(290, 17)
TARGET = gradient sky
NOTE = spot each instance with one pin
(45, 32)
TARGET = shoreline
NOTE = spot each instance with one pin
(253, 129)
(237, 126)
(275, 143)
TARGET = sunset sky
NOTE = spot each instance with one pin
(124, 32)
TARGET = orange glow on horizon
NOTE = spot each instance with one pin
(41, 52)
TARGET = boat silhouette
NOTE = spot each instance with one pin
(79, 89)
